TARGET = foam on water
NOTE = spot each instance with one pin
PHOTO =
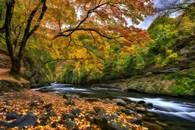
(170, 108)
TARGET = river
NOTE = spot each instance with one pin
(168, 112)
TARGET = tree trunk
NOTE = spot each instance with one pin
(16, 66)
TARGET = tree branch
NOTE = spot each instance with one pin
(71, 31)
(28, 32)
(43, 11)
(85, 29)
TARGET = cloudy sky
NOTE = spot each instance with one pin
(158, 4)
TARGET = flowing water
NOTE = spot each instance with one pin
(168, 112)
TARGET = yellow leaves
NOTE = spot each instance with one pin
(171, 55)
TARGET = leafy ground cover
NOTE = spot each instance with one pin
(30, 110)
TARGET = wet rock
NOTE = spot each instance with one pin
(141, 102)
(70, 103)
(137, 120)
(117, 126)
(70, 96)
(44, 120)
(141, 109)
(26, 120)
(51, 114)
(89, 117)
(54, 124)
(68, 116)
(99, 110)
(48, 107)
(128, 111)
(149, 105)
(35, 103)
(70, 124)
(3, 123)
(107, 100)
(113, 116)
(76, 112)
(120, 102)
(12, 116)
(2, 110)
(92, 99)
(105, 123)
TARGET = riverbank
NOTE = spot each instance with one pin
(180, 84)
(37, 111)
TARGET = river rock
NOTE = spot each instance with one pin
(119, 102)
(106, 123)
(99, 110)
(137, 120)
(68, 116)
(36, 103)
(90, 117)
(70, 124)
(149, 105)
(76, 112)
(70, 96)
(141, 102)
(128, 111)
(26, 120)
(2, 110)
(3, 123)
(141, 109)
(69, 102)
(92, 99)
(12, 116)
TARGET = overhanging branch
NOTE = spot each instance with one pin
(84, 29)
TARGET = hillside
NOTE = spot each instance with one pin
(170, 61)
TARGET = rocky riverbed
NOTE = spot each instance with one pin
(37, 111)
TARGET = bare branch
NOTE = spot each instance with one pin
(43, 11)
(81, 22)
(85, 29)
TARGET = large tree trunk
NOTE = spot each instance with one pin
(16, 66)
(17, 56)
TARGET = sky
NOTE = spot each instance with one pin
(157, 4)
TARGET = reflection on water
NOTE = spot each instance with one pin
(177, 114)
